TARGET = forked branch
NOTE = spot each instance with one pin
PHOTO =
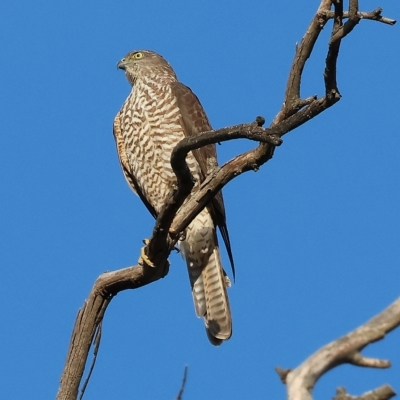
(384, 392)
(345, 350)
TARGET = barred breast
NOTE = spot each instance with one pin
(151, 129)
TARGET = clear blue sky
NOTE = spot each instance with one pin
(315, 232)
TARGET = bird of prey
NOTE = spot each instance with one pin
(157, 114)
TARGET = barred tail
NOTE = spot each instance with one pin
(208, 283)
(218, 320)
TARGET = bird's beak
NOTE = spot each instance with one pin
(121, 65)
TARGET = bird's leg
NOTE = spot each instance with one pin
(143, 259)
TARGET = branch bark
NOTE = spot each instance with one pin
(177, 214)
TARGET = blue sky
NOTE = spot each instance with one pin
(315, 233)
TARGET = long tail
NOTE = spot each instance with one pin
(207, 278)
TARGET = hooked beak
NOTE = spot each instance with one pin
(121, 64)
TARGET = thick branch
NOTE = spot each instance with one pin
(251, 160)
(90, 316)
(346, 350)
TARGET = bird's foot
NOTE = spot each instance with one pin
(144, 259)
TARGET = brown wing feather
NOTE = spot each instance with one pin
(194, 121)
(123, 159)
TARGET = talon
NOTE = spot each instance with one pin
(143, 259)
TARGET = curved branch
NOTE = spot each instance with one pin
(292, 102)
(345, 350)
(182, 389)
(384, 392)
(353, 19)
(358, 359)
(90, 316)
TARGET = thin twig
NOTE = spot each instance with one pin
(96, 342)
(182, 389)
(375, 15)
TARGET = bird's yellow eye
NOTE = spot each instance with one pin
(138, 56)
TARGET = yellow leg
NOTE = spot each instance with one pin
(143, 259)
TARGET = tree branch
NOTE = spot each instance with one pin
(375, 15)
(182, 389)
(90, 317)
(384, 392)
(345, 350)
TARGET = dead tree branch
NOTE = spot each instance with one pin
(345, 350)
(375, 15)
(384, 392)
(177, 212)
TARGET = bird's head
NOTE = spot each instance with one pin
(145, 64)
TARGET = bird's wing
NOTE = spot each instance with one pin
(194, 120)
(123, 159)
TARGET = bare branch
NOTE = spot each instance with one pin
(182, 389)
(303, 52)
(90, 316)
(384, 392)
(302, 379)
(359, 360)
(250, 161)
(96, 342)
(331, 88)
(375, 15)
(353, 20)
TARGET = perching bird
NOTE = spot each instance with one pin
(158, 113)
